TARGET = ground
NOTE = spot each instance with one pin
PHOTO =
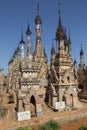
(74, 125)
(70, 125)
(79, 117)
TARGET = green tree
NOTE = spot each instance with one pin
(50, 125)
(83, 128)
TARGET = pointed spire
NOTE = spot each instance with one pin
(60, 33)
(37, 8)
(81, 65)
(28, 32)
(52, 50)
(69, 40)
(22, 44)
(59, 11)
(22, 41)
(81, 51)
(52, 55)
(65, 36)
(38, 18)
(45, 53)
(69, 37)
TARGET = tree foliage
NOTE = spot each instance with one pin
(50, 125)
(83, 128)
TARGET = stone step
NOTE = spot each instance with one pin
(46, 109)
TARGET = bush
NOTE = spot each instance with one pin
(83, 128)
(50, 125)
(24, 128)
